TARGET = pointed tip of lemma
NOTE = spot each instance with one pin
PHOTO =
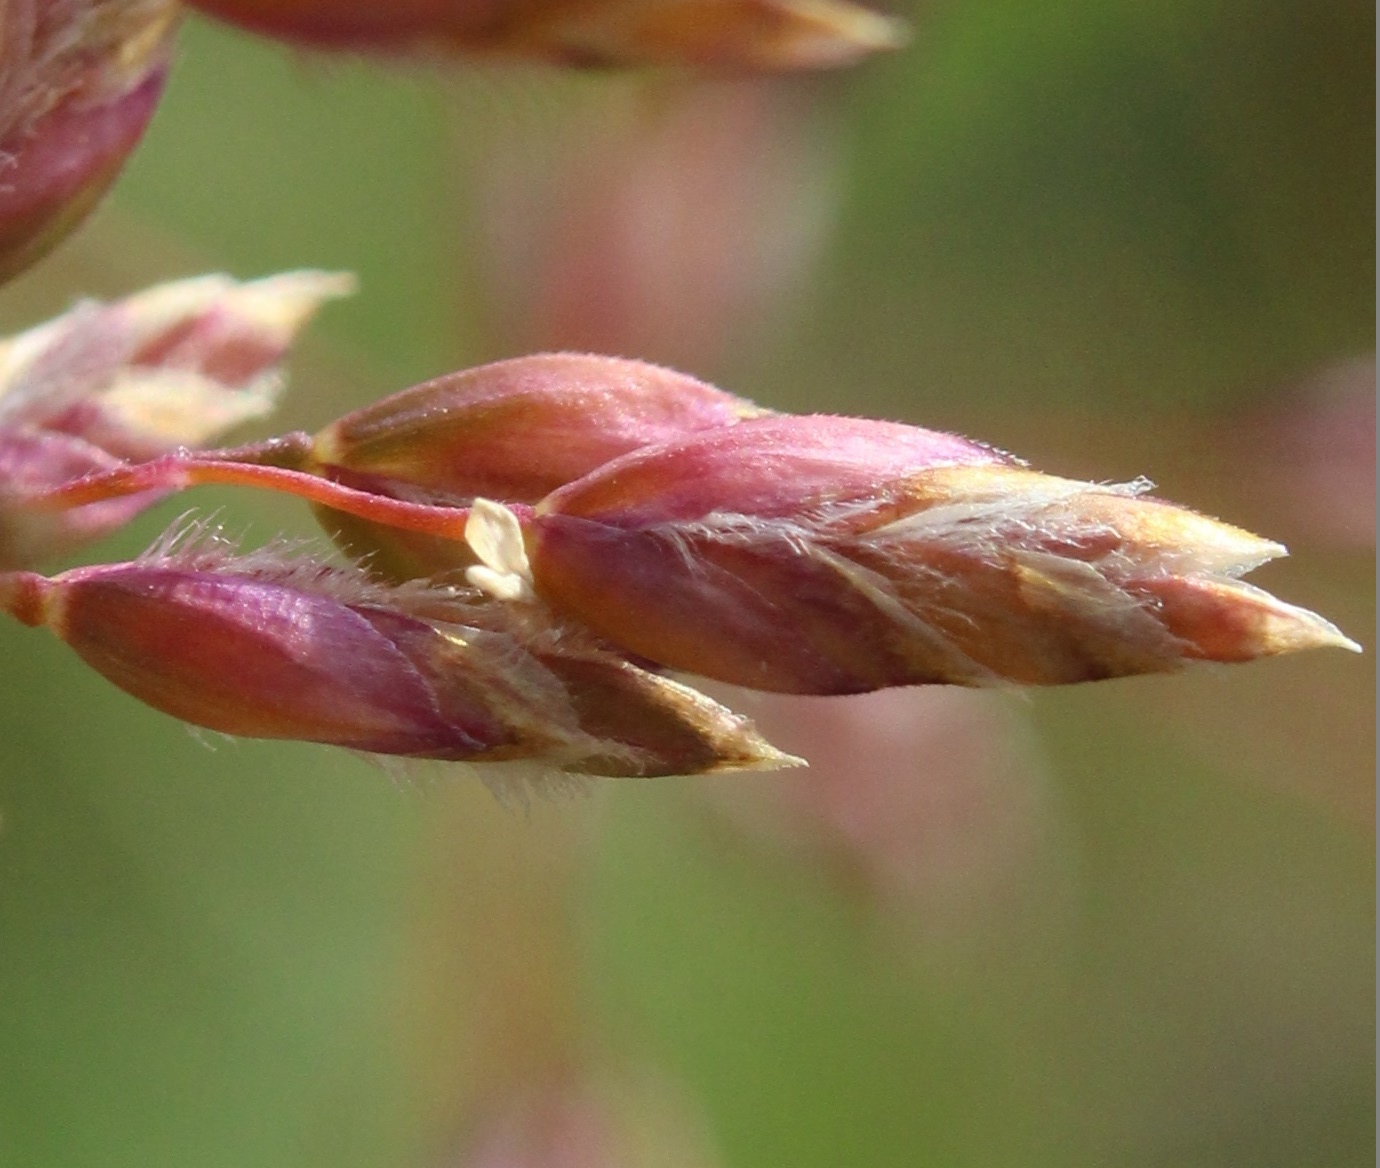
(1336, 639)
(864, 30)
(825, 34)
(765, 758)
(1293, 629)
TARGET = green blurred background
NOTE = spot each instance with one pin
(1116, 237)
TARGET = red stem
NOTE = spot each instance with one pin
(176, 472)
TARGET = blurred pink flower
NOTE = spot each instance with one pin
(930, 801)
(588, 1122)
(1311, 453)
(670, 223)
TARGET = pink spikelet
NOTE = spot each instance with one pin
(839, 555)
(79, 81)
(280, 644)
(172, 367)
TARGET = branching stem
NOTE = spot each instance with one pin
(177, 472)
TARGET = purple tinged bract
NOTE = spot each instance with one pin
(512, 430)
(826, 555)
(276, 644)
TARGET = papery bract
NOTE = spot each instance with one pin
(826, 555)
(171, 367)
(175, 365)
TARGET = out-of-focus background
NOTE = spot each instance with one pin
(1128, 923)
